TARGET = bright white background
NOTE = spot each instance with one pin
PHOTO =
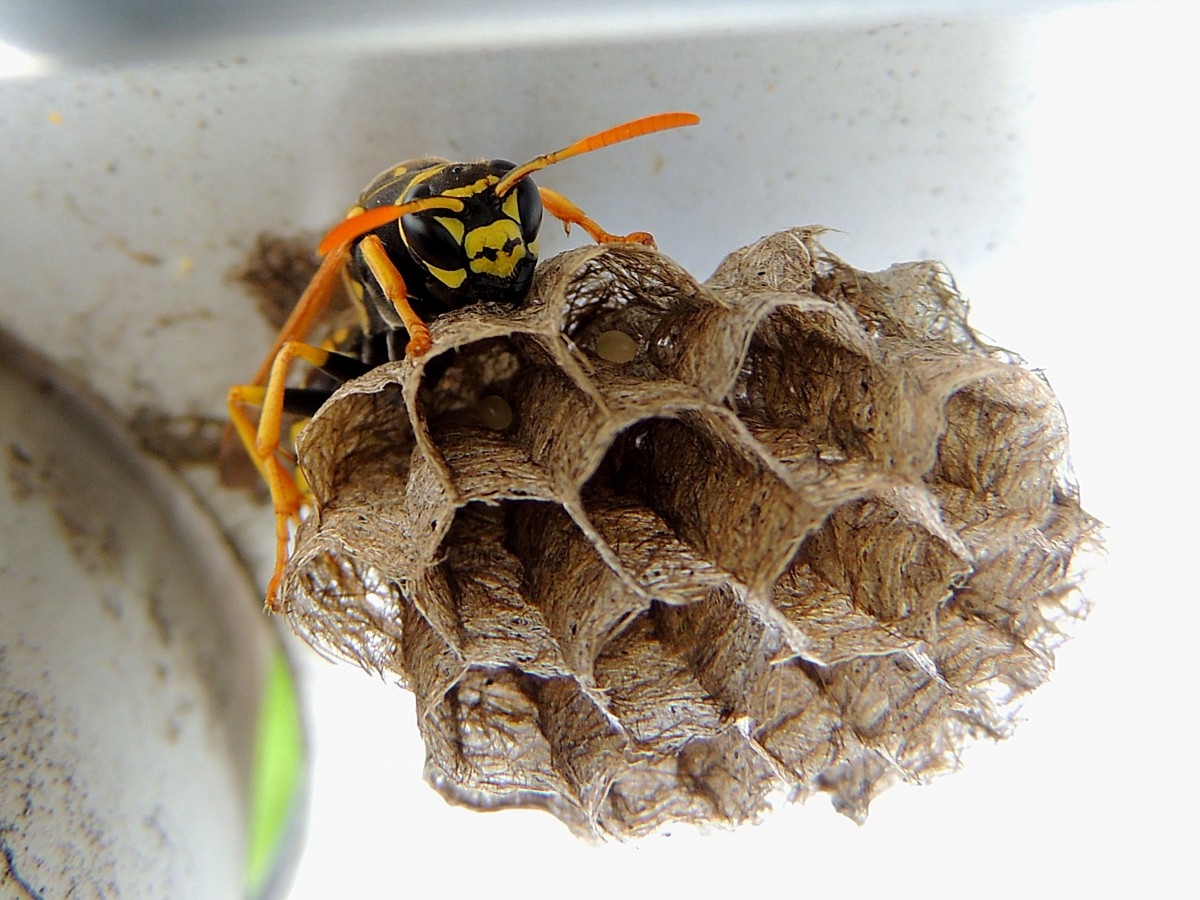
(1048, 157)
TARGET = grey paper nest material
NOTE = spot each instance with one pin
(812, 536)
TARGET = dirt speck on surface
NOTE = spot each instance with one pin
(21, 478)
(178, 440)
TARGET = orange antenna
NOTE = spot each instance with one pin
(616, 134)
(368, 220)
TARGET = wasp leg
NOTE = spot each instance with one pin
(570, 214)
(392, 283)
(286, 496)
(309, 308)
(262, 440)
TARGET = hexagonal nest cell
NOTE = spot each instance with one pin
(648, 550)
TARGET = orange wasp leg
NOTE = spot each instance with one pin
(262, 442)
(286, 496)
(570, 214)
(309, 308)
(392, 284)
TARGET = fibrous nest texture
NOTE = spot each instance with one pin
(648, 550)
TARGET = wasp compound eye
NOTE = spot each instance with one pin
(529, 207)
(431, 241)
(529, 204)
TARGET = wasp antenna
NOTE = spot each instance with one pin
(359, 224)
(614, 135)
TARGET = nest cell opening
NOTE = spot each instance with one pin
(1002, 452)
(582, 598)
(881, 552)
(715, 497)
(796, 376)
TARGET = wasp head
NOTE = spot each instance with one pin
(490, 245)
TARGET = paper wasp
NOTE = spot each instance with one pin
(425, 237)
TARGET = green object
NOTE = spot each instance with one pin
(275, 782)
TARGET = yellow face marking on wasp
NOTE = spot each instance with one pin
(470, 190)
(452, 278)
(510, 206)
(495, 248)
(455, 226)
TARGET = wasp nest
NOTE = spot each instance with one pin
(648, 550)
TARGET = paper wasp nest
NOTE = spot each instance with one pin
(648, 550)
